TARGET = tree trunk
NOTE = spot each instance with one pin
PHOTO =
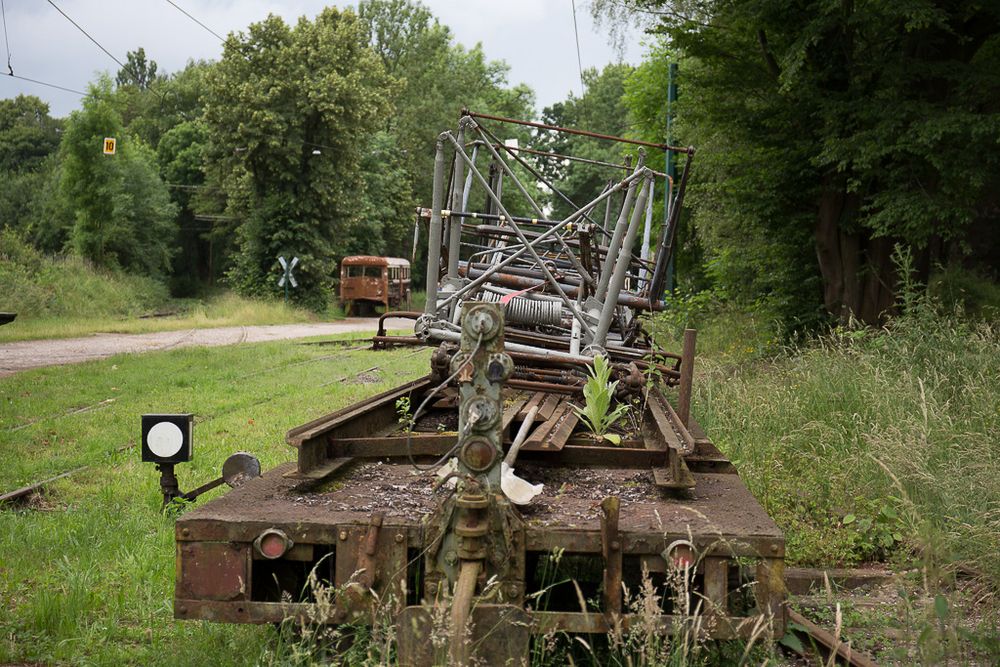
(859, 279)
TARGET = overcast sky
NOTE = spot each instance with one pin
(535, 37)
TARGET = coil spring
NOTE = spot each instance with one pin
(528, 311)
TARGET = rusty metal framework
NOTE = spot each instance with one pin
(409, 511)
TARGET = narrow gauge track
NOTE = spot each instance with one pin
(24, 492)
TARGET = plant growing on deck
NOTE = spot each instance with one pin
(598, 394)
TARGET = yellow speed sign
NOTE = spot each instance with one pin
(110, 143)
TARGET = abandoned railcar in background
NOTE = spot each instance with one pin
(367, 281)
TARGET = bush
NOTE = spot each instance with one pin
(40, 286)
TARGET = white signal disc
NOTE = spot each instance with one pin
(165, 439)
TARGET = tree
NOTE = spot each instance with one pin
(289, 110)
(28, 136)
(830, 132)
(600, 108)
(138, 71)
(437, 78)
(123, 214)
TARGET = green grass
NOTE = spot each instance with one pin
(870, 444)
(224, 310)
(86, 575)
(62, 297)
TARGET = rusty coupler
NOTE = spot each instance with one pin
(472, 537)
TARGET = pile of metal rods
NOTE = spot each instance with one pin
(573, 287)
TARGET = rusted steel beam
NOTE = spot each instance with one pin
(828, 643)
(687, 376)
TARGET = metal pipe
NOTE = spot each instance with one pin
(616, 238)
(461, 607)
(528, 246)
(538, 209)
(687, 375)
(455, 224)
(544, 236)
(434, 234)
(665, 249)
(468, 181)
(628, 299)
(646, 230)
(621, 267)
(582, 133)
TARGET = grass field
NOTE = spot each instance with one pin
(86, 573)
(862, 445)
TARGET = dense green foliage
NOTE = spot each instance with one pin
(123, 214)
(313, 139)
(40, 286)
(827, 133)
(288, 110)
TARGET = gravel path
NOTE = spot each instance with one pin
(23, 355)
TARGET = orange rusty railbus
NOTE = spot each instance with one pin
(365, 279)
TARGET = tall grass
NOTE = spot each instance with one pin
(59, 297)
(867, 444)
(39, 286)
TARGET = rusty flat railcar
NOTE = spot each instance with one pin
(461, 492)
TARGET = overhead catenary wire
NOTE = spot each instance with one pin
(98, 44)
(50, 85)
(579, 60)
(181, 10)
(6, 39)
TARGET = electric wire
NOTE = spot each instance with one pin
(66, 16)
(416, 415)
(579, 61)
(6, 39)
(50, 85)
(217, 35)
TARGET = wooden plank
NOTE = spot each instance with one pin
(540, 439)
(536, 399)
(549, 405)
(512, 410)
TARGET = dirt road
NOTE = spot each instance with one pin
(23, 355)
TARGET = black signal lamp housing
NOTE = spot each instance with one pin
(167, 438)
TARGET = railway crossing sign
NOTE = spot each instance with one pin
(287, 277)
(110, 144)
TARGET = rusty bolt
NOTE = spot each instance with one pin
(451, 558)
(615, 546)
(343, 535)
(182, 610)
(399, 538)
(512, 591)
(774, 548)
(186, 532)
